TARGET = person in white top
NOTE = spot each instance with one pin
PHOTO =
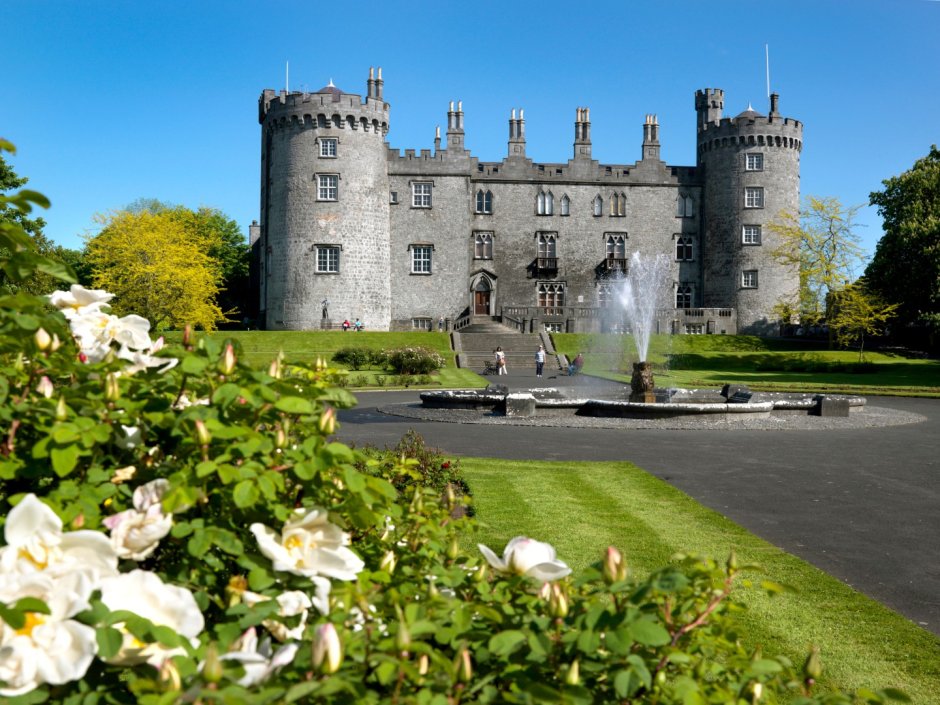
(500, 360)
(539, 360)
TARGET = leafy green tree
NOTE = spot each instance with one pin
(157, 269)
(224, 242)
(856, 312)
(906, 266)
(822, 242)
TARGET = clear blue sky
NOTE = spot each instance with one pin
(110, 101)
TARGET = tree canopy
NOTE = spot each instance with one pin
(856, 312)
(906, 266)
(157, 268)
(223, 241)
(820, 239)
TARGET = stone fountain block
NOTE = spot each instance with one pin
(730, 390)
(520, 404)
(832, 406)
(496, 389)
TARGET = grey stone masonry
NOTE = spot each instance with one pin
(401, 239)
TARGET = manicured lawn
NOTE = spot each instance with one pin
(260, 347)
(764, 364)
(581, 508)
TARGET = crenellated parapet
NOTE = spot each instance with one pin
(749, 129)
(328, 108)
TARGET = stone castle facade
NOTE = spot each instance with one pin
(351, 228)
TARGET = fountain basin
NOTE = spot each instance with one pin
(730, 402)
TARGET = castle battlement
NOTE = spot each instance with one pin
(328, 108)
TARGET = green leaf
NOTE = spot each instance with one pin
(896, 694)
(764, 666)
(294, 405)
(259, 579)
(64, 459)
(506, 642)
(649, 633)
(301, 690)
(245, 494)
(109, 641)
(354, 479)
(194, 365)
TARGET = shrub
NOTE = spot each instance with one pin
(353, 358)
(359, 381)
(414, 361)
(378, 359)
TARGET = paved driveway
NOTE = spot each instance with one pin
(863, 504)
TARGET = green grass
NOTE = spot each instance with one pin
(761, 363)
(260, 347)
(581, 508)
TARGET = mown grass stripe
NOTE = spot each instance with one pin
(582, 507)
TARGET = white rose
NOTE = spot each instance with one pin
(525, 556)
(48, 648)
(135, 533)
(36, 543)
(309, 545)
(144, 594)
(78, 300)
(258, 660)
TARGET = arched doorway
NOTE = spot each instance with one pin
(482, 294)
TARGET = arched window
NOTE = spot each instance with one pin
(540, 203)
(684, 296)
(483, 245)
(549, 203)
(565, 205)
(685, 206)
(618, 204)
(551, 297)
(484, 201)
(598, 205)
(684, 249)
(616, 246)
(546, 244)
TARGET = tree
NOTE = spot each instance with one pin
(821, 241)
(157, 269)
(906, 266)
(856, 312)
(223, 241)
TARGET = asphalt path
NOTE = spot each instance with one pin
(861, 504)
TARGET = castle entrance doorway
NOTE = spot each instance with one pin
(481, 303)
(481, 297)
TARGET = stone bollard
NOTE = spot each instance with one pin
(832, 406)
(519, 404)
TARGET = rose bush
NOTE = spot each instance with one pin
(179, 527)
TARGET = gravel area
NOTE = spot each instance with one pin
(871, 416)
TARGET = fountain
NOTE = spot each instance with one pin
(644, 291)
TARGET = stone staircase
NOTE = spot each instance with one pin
(474, 345)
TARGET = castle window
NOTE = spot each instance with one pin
(616, 245)
(327, 259)
(754, 161)
(618, 204)
(421, 259)
(598, 205)
(565, 205)
(685, 206)
(754, 197)
(483, 245)
(421, 194)
(684, 249)
(327, 187)
(749, 279)
(544, 203)
(609, 293)
(546, 244)
(393, 197)
(551, 298)
(328, 147)
(750, 235)
(684, 296)
(484, 201)
(421, 323)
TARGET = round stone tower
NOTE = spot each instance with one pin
(324, 208)
(751, 172)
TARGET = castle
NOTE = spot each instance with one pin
(351, 228)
